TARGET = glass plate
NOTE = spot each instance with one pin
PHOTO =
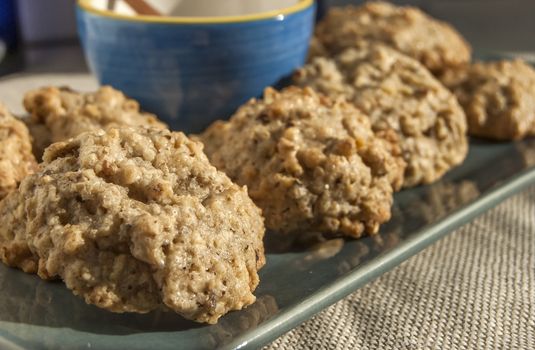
(300, 278)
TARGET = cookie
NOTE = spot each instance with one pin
(498, 98)
(398, 93)
(309, 162)
(134, 220)
(16, 158)
(57, 114)
(434, 43)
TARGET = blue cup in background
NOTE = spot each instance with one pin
(191, 71)
(8, 23)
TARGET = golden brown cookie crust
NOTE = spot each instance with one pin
(134, 220)
(397, 93)
(16, 158)
(434, 43)
(309, 162)
(59, 113)
(498, 98)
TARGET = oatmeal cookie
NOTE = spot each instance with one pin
(16, 159)
(57, 114)
(498, 98)
(309, 162)
(397, 93)
(432, 42)
(134, 220)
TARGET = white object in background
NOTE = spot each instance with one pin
(46, 20)
(195, 8)
(119, 6)
(199, 8)
(16, 85)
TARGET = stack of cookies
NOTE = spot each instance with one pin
(134, 217)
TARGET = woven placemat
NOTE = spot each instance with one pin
(475, 289)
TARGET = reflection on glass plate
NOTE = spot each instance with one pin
(302, 275)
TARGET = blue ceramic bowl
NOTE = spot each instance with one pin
(193, 70)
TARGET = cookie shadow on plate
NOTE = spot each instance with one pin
(29, 300)
(474, 140)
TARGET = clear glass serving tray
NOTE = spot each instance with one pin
(300, 278)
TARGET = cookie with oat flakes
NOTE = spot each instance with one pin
(60, 113)
(310, 163)
(434, 43)
(16, 158)
(498, 98)
(400, 94)
(137, 219)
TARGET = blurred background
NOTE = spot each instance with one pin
(37, 35)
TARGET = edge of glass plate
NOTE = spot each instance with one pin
(326, 296)
(6, 344)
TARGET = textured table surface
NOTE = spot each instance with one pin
(475, 289)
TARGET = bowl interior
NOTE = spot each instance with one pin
(195, 8)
